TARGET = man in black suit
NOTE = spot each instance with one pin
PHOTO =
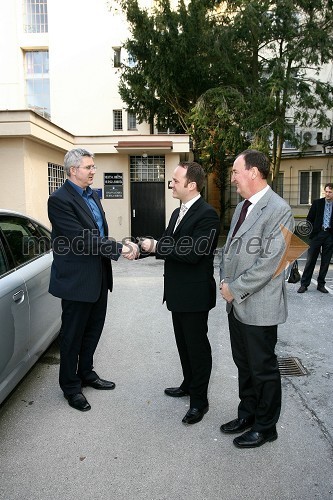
(187, 247)
(320, 217)
(81, 274)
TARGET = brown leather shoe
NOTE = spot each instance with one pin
(322, 289)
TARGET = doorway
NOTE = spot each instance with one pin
(147, 196)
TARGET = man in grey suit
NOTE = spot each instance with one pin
(256, 297)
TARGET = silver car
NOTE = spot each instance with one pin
(29, 316)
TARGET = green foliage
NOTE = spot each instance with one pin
(228, 71)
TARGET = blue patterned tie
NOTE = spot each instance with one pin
(327, 215)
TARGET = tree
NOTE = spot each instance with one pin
(216, 119)
(177, 58)
(282, 47)
(228, 71)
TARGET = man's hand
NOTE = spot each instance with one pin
(225, 292)
(148, 245)
(130, 250)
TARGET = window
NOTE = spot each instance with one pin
(147, 168)
(131, 61)
(309, 186)
(131, 121)
(25, 240)
(116, 57)
(38, 82)
(35, 16)
(117, 119)
(56, 176)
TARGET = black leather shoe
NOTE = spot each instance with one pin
(253, 439)
(194, 415)
(175, 392)
(78, 401)
(237, 425)
(99, 383)
(322, 289)
(302, 289)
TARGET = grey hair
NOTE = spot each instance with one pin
(73, 158)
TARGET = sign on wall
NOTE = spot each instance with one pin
(113, 185)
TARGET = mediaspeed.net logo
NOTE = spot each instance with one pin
(295, 247)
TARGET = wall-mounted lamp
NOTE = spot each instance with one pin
(144, 155)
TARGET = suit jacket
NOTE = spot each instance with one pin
(188, 253)
(78, 250)
(316, 215)
(251, 258)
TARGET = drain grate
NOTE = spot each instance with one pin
(291, 366)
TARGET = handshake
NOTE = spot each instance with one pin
(131, 250)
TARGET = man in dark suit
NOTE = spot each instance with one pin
(320, 217)
(187, 248)
(81, 274)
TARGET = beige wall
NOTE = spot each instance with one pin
(291, 168)
(28, 143)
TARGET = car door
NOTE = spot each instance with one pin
(30, 316)
(15, 327)
(45, 309)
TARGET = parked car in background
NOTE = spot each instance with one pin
(29, 316)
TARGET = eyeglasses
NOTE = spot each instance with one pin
(92, 168)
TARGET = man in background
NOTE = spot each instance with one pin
(320, 217)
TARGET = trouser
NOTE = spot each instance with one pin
(195, 354)
(323, 242)
(82, 325)
(259, 380)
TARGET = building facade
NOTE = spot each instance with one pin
(59, 90)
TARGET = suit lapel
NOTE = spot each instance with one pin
(251, 219)
(79, 200)
(190, 212)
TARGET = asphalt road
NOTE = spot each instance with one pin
(133, 445)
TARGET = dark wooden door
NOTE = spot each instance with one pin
(147, 209)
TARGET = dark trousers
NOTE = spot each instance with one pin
(259, 380)
(322, 241)
(82, 325)
(195, 354)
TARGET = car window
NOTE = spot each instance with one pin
(3, 265)
(23, 238)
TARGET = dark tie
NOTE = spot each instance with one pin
(242, 216)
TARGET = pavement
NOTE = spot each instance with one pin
(132, 445)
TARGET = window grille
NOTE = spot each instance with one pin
(147, 169)
(38, 82)
(35, 16)
(117, 119)
(56, 176)
(131, 121)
